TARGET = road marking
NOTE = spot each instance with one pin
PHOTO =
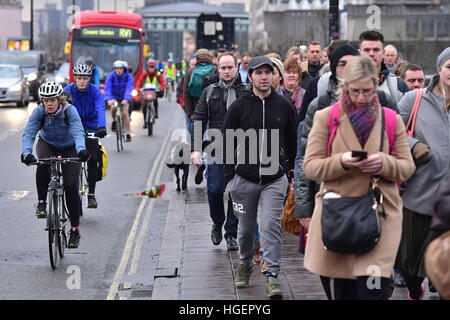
(140, 239)
(114, 288)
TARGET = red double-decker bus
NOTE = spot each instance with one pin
(107, 36)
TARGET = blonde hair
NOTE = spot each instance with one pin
(360, 68)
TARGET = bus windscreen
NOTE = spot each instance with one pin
(104, 45)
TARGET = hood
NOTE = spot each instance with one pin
(322, 85)
(8, 82)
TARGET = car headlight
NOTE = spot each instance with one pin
(16, 87)
(134, 93)
(59, 79)
(32, 76)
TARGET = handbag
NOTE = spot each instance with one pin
(440, 220)
(289, 222)
(351, 225)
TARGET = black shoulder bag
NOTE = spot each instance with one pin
(351, 225)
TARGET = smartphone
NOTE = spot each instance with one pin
(360, 154)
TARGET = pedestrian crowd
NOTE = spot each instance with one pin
(357, 135)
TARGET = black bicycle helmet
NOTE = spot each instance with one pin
(82, 70)
(50, 89)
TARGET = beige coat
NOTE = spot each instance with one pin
(317, 167)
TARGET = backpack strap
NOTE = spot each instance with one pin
(333, 123)
(390, 126)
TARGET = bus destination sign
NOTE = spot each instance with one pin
(99, 32)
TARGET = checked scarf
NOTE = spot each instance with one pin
(362, 119)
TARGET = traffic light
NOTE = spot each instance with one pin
(214, 32)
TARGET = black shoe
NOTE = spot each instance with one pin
(156, 114)
(216, 234)
(92, 202)
(232, 244)
(128, 139)
(41, 210)
(199, 174)
(74, 238)
(113, 126)
(145, 125)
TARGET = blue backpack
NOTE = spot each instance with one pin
(200, 71)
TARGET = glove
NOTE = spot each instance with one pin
(28, 159)
(83, 155)
(101, 132)
(421, 153)
(160, 94)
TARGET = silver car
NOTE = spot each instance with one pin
(13, 85)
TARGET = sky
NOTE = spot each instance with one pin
(104, 5)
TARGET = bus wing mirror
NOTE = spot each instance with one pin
(67, 48)
(146, 50)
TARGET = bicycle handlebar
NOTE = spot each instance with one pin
(55, 160)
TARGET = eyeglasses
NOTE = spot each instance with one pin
(357, 92)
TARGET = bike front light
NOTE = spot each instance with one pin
(134, 93)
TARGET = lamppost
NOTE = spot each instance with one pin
(31, 26)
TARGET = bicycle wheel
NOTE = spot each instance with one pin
(62, 237)
(82, 189)
(150, 117)
(122, 133)
(169, 92)
(118, 132)
(52, 228)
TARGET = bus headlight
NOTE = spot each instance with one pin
(59, 79)
(134, 93)
(32, 76)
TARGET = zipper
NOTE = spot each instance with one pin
(262, 139)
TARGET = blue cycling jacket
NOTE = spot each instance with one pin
(119, 88)
(90, 105)
(58, 132)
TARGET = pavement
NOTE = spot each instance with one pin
(190, 267)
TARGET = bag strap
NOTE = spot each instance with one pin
(410, 126)
(390, 123)
(333, 123)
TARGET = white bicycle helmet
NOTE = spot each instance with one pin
(120, 64)
(50, 89)
(82, 70)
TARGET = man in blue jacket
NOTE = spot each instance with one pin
(88, 100)
(118, 87)
(95, 77)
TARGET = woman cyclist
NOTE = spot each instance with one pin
(61, 133)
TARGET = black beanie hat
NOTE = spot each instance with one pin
(343, 50)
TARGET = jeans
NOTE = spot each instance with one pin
(216, 187)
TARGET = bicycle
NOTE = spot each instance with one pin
(149, 96)
(120, 134)
(57, 216)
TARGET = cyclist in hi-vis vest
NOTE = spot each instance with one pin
(171, 75)
(151, 75)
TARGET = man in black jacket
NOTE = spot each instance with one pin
(212, 107)
(264, 124)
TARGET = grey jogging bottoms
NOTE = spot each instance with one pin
(245, 196)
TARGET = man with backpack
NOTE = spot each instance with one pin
(192, 87)
(192, 90)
